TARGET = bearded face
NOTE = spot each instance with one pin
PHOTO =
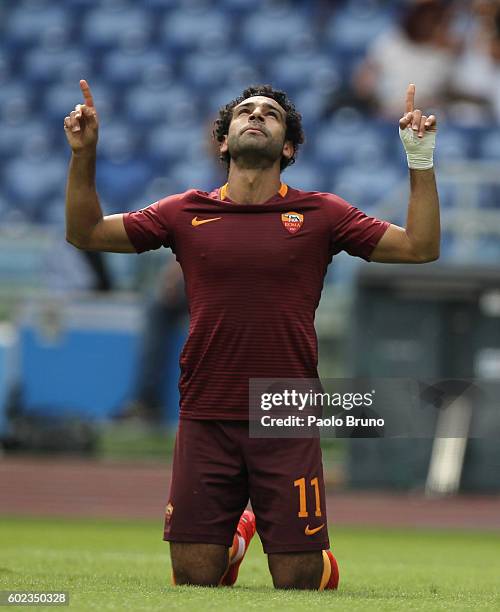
(256, 137)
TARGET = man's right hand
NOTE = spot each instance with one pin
(81, 125)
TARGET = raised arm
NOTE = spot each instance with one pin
(419, 241)
(86, 227)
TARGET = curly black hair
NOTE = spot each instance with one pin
(294, 132)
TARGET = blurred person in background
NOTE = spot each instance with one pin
(100, 271)
(64, 272)
(475, 86)
(164, 316)
(254, 254)
(421, 45)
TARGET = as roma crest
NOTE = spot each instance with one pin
(292, 221)
(168, 512)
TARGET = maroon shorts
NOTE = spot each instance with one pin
(218, 468)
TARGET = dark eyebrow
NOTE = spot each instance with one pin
(265, 104)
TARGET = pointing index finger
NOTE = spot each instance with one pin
(410, 98)
(87, 95)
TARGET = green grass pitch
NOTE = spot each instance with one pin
(121, 565)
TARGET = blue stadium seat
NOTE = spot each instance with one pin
(53, 213)
(489, 195)
(304, 175)
(355, 26)
(46, 172)
(5, 68)
(45, 65)
(447, 246)
(125, 66)
(298, 70)
(244, 75)
(201, 175)
(81, 5)
(169, 143)
(240, 8)
(223, 96)
(489, 147)
(15, 133)
(162, 5)
(311, 104)
(14, 90)
(122, 172)
(270, 30)
(454, 144)
(388, 134)
(16, 101)
(193, 27)
(204, 70)
(120, 184)
(30, 22)
(171, 105)
(447, 195)
(158, 77)
(347, 139)
(106, 26)
(158, 188)
(364, 186)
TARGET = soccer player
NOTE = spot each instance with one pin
(254, 254)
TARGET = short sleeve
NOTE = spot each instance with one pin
(152, 227)
(352, 230)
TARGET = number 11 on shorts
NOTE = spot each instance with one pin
(301, 484)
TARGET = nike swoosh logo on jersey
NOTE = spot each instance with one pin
(308, 531)
(195, 222)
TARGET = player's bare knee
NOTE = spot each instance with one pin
(302, 581)
(198, 564)
(296, 570)
(188, 577)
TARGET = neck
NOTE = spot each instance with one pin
(253, 185)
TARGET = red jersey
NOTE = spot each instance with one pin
(254, 275)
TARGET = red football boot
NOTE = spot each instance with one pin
(246, 531)
(333, 579)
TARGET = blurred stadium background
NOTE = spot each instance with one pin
(73, 326)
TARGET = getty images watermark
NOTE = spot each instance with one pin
(300, 401)
(373, 408)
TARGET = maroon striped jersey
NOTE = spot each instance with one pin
(254, 275)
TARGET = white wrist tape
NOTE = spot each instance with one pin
(419, 151)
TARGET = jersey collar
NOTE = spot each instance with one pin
(223, 191)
